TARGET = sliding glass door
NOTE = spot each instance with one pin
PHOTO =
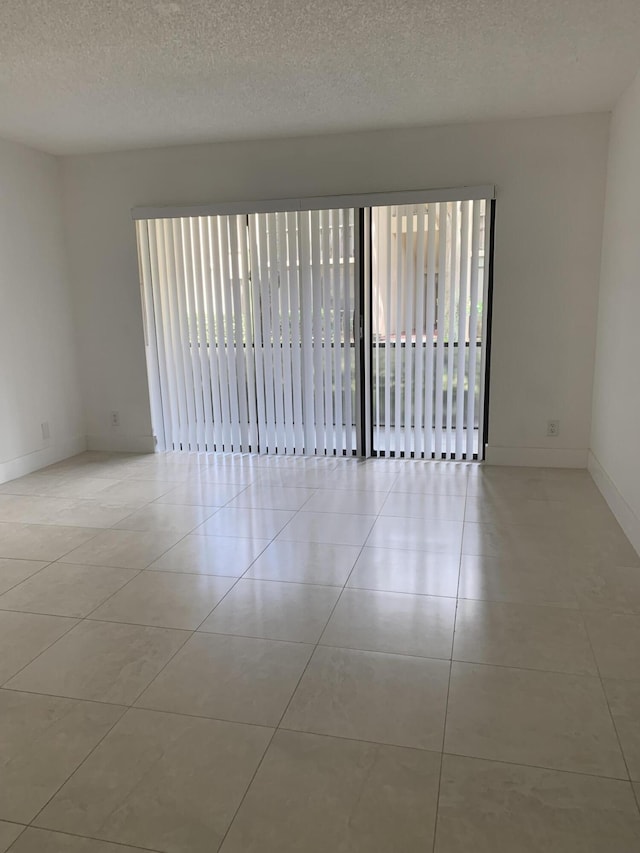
(427, 328)
(249, 331)
(340, 331)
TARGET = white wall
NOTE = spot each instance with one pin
(550, 176)
(616, 403)
(38, 375)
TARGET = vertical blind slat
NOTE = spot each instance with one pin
(258, 337)
(249, 333)
(433, 223)
(293, 283)
(326, 326)
(408, 334)
(397, 372)
(451, 332)
(318, 373)
(419, 432)
(462, 329)
(174, 351)
(276, 329)
(192, 343)
(483, 288)
(211, 351)
(239, 335)
(230, 339)
(387, 338)
(200, 325)
(267, 338)
(188, 427)
(285, 320)
(337, 283)
(348, 306)
(376, 323)
(310, 416)
(473, 323)
(221, 345)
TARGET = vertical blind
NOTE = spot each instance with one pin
(251, 319)
(249, 331)
(428, 287)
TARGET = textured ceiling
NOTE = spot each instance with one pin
(95, 75)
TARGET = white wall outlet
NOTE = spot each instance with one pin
(115, 419)
(553, 428)
(46, 434)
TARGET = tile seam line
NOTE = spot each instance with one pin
(291, 697)
(446, 707)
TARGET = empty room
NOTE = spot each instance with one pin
(319, 423)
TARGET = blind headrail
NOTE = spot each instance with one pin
(282, 205)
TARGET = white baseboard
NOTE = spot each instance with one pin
(626, 517)
(537, 457)
(30, 462)
(115, 443)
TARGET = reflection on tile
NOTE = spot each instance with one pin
(124, 549)
(548, 582)
(274, 611)
(165, 599)
(200, 494)
(249, 523)
(160, 781)
(390, 699)
(43, 740)
(429, 481)
(211, 555)
(13, 572)
(346, 500)
(40, 541)
(168, 518)
(328, 527)
(616, 639)
(100, 661)
(43, 841)
(489, 807)
(63, 589)
(23, 636)
(392, 622)
(425, 506)
(321, 794)
(231, 678)
(264, 496)
(305, 562)
(523, 635)
(438, 537)
(624, 704)
(397, 570)
(356, 478)
(546, 719)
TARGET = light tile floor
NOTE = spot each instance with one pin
(283, 655)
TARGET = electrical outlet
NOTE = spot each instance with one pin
(115, 419)
(553, 429)
(44, 426)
